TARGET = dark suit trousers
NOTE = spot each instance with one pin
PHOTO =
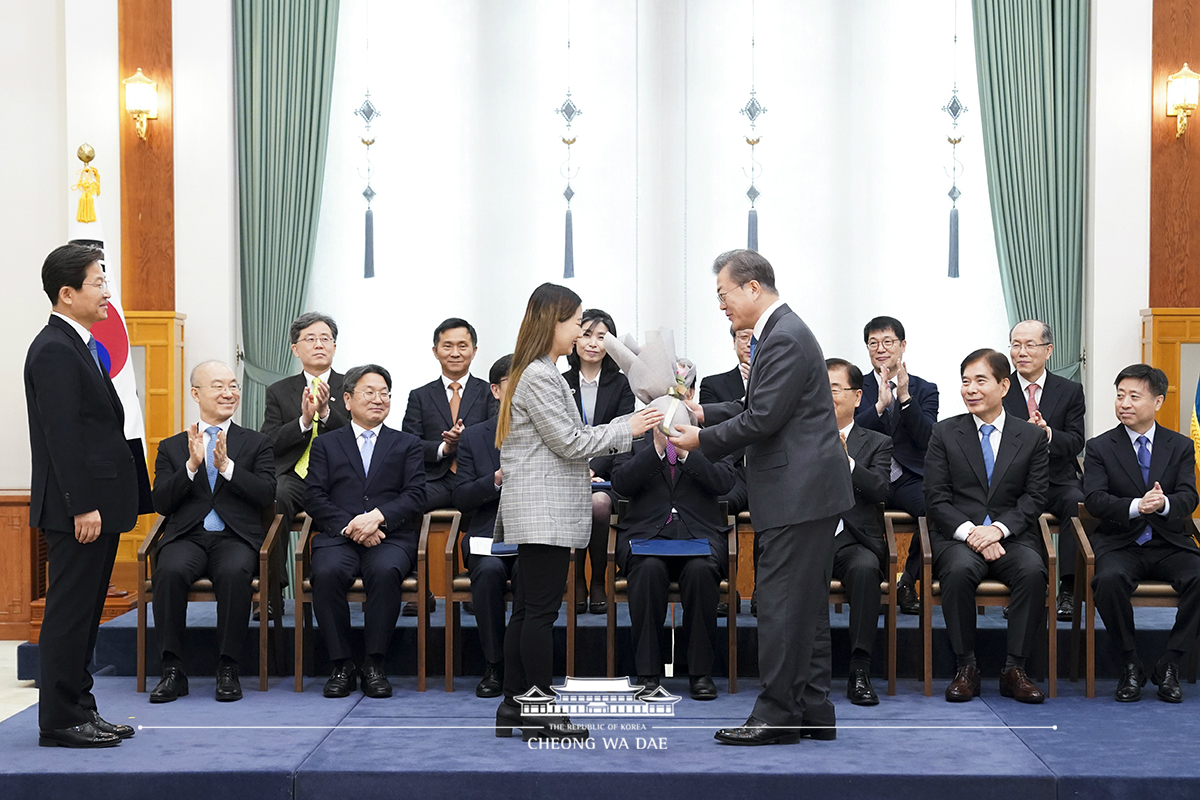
(1063, 502)
(1022, 569)
(230, 562)
(907, 493)
(289, 501)
(77, 585)
(699, 581)
(529, 638)
(439, 492)
(856, 566)
(794, 652)
(1117, 573)
(383, 569)
(488, 576)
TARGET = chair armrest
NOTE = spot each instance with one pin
(272, 535)
(889, 538)
(612, 544)
(156, 531)
(452, 541)
(302, 547)
(923, 531)
(1085, 546)
(733, 536)
(1048, 543)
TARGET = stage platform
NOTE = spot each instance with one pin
(278, 744)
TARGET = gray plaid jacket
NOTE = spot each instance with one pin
(547, 497)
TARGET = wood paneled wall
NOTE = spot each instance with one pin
(147, 167)
(1174, 164)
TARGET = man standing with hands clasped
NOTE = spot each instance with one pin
(799, 488)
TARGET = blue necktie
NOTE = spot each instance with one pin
(989, 458)
(753, 347)
(368, 447)
(95, 353)
(212, 520)
(1144, 463)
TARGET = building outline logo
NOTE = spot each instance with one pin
(598, 697)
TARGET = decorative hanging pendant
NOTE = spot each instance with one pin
(955, 108)
(569, 111)
(752, 111)
(368, 111)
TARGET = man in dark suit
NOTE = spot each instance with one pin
(799, 489)
(477, 488)
(859, 549)
(298, 410)
(211, 482)
(83, 492)
(673, 495)
(366, 491)
(985, 487)
(1140, 481)
(1055, 405)
(905, 407)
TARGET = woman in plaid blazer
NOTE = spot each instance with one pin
(546, 505)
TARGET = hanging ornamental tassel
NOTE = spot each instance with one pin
(953, 273)
(569, 256)
(369, 257)
(752, 231)
(88, 185)
(955, 108)
(368, 112)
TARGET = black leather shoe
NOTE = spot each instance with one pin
(1166, 678)
(859, 689)
(965, 686)
(1016, 684)
(374, 682)
(173, 684)
(702, 687)
(80, 736)
(1004, 612)
(492, 684)
(599, 601)
(1065, 607)
(648, 683)
(818, 731)
(754, 604)
(229, 688)
(722, 610)
(343, 680)
(1129, 687)
(552, 728)
(508, 716)
(104, 726)
(410, 608)
(906, 598)
(756, 732)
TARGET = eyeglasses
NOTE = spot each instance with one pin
(721, 295)
(838, 391)
(371, 394)
(313, 340)
(1030, 346)
(886, 344)
(102, 285)
(221, 388)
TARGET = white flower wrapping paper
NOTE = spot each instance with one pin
(651, 370)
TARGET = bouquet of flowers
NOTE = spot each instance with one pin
(654, 374)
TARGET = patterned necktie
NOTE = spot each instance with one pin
(368, 448)
(672, 458)
(212, 520)
(301, 467)
(455, 404)
(989, 458)
(890, 419)
(92, 348)
(1031, 404)
(753, 347)
(1143, 454)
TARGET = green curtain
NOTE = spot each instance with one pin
(283, 78)
(1031, 57)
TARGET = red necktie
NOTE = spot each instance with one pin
(1031, 403)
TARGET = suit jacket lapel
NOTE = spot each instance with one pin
(775, 317)
(1008, 450)
(1127, 457)
(104, 382)
(1014, 401)
(349, 444)
(854, 442)
(383, 443)
(441, 401)
(234, 440)
(1160, 454)
(1051, 396)
(968, 442)
(471, 393)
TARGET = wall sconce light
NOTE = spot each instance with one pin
(141, 100)
(1183, 94)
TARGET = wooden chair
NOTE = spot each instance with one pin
(838, 596)
(989, 593)
(1147, 594)
(616, 590)
(458, 591)
(202, 591)
(413, 589)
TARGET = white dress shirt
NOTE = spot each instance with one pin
(83, 332)
(965, 529)
(462, 386)
(226, 473)
(1037, 394)
(1133, 437)
(845, 432)
(324, 377)
(762, 321)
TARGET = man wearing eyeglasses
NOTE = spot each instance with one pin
(365, 493)
(904, 407)
(212, 482)
(1056, 405)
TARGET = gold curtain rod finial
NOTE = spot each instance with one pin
(85, 153)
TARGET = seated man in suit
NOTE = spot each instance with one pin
(211, 482)
(1140, 481)
(296, 411)
(985, 486)
(477, 492)
(905, 408)
(366, 491)
(1056, 406)
(859, 550)
(673, 495)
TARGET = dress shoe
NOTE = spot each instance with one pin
(702, 687)
(229, 688)
(410, 608)
(343, 680)
(374, 682)
(859, 689)
(754, 606)
(508, 716)
(756, 732)
(492, 683)
(469, 608)
(1015, 683)
(599, 601)
(1166, 678)
(818, 731)
(1065, 607)
(1004, 612)
(172, 685)
(906, 598)
(552, 728)
(271, 612)
(113, 591)
(965, 685)
(648, 683)
(1129, 687)
(722, 610)
(104, 726)
(85, 735)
